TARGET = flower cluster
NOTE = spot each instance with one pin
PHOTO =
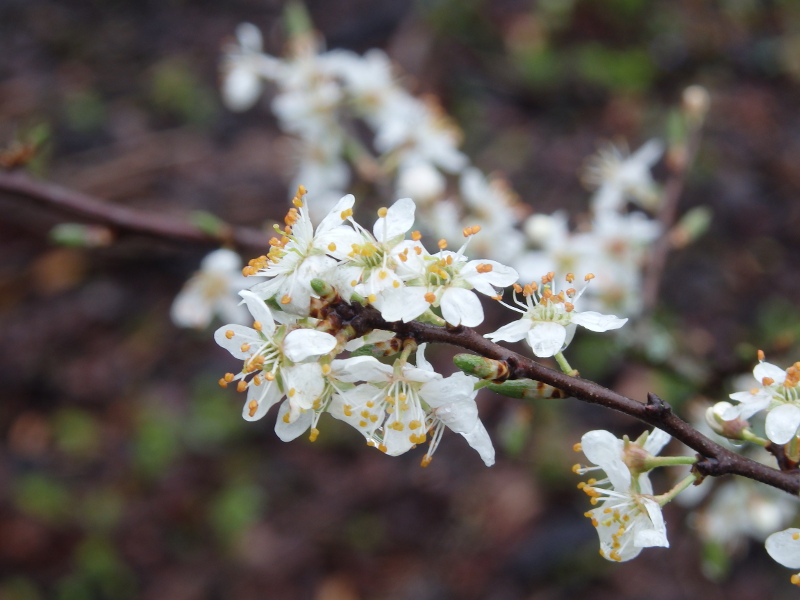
(292, 353)
(318, 95)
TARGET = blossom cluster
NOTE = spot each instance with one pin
(292, 354)
(319, 94)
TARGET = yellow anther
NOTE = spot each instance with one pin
(577, 447)
(383, 274)
(483, 268)
(353, 283)
(230, 333)
(365, 414)
(298, 202)
(395, 284)
(256, 380)
(430, 297)
(767, 381)
(426, 460)
(414, 424)
(346, 213)
(287, 418)
(570, 277)
(373, 418)
(332, 247)
(292, 393)
(362, 423)
(252, 407)
(417, 250)
(257, 325)
(382, 447)
(301, 190)
(442, 243)
(372, 298)
(286, 299)
(760, 355)
(796, 536)
(241, 386)
(269, 375)
(244, 347)
(577, 468)
(382, 212)
(589, 277)
(518, 288)
(416, 236)
(313, 434)
(569, 306)
(348, 410)
(222, 383)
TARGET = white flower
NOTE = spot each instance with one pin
(779, 393)
(784, 547)
(274, 365)
(628, 517)
(211, 291)
(620, 177)
(398, 405)
(244, 69)
(549, 320)
(303, 254)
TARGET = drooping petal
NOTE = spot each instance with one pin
(546, 338)
(480, 441)
(595, 321)
(300, 344)
(782, 423)
(461, 307)
(656, 534)
(784, 547)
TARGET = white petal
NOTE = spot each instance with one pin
(361, 368)
(784, 548)
(241, 88)
(546, 338)
(513, 332)
(656, 441)
(399, 219)
(595, 321)
(260, 311)
(265, 395)
(334, 217)
(303, 343)
(657, 535)
(402, 304)
(293, 429)
(604, 449)
(479, 439)
(782, 423)
(303, 384)
(461, 307)
(765, 369)
(500, 276)
(241, 335)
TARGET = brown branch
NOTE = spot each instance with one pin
(714, 460)
(124, 220)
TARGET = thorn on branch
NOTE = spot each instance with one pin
(656, 406)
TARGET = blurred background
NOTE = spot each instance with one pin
(126, 472)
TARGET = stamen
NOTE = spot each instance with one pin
(382, 212)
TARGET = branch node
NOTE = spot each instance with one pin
(656, 406)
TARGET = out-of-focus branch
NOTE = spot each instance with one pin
(714, 460)
(679, 161)
(122, 220)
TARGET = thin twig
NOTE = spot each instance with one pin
(124, 220)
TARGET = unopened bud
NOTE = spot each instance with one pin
(730, 428)
(485, 368)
